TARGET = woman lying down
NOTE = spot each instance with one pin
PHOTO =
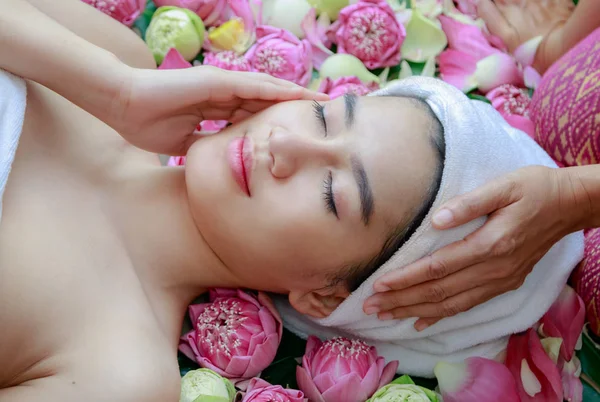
(102, 249)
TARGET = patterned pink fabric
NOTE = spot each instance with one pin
(566, 112)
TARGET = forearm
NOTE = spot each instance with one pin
(37, 48)
(584, 20)
(580, 188)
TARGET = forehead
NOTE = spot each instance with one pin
(393, 138)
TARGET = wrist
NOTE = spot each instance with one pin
(579, 191)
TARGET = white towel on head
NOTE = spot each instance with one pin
(480, 146)
(13, 100)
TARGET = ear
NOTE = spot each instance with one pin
(318, 303)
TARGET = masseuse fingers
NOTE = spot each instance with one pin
(496, 22)
(482, 201)
(450, 307)
(431, 292)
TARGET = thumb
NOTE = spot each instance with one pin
(482, 201)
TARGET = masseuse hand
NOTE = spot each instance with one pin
(529, 210)
(158, 110)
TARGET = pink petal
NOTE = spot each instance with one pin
(495, 70)
(457, 68)
(173, 61)
(307, 386)
(525, 53)
(256, 383)
(565, 319)
(238, 367)
(221, 292)
(187, 345)
(263, 356)
(477, 379)
(195, 310)
(572, 386)
(346, 389)
(312, 343)
(266, 301)
(370, 382)
(389, 371)
(526, 347)
(324, 381)
(241, 9)
(532, 77)
(176, 161)
(315, 35)
(466, 38)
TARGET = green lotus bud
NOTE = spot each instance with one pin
(204, 385)
(403, 389)
(344, 65)
(174, 27)
(331, 7)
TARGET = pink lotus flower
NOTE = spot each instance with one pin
(315, 31)
(565, 320)
(538, 378)
(173, 61)
(342, 370)
(235, 335)
(471, 62)
(124, 11)
(476, 380)
(513, 105)
(212, 12)
(279, 53)
(227, 60)
(261, 391)
(370, 31)
(338, 87)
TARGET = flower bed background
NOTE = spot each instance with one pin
(337, 46)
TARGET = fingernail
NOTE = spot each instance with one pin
(420, 326)
(380, 287)
(371, 310)
(443, 217)
(385, 316)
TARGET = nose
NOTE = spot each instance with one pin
(292, 152)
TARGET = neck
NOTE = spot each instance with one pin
(167, 249)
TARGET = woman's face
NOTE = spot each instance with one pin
(294, 194)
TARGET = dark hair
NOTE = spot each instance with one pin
(355, 275)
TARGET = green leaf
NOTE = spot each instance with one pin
(478, 97)
(589, 355)
(142, 22)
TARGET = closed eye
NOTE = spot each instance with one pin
(320, 114)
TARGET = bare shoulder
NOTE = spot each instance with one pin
(63, 388)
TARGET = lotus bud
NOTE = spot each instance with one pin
(178, 28)
(343, 65)
(204, 385)
(330, 7)
(424, 39)
(315, 31)
(285, 14)
(403, 389)
(537, 377)
(476, 380)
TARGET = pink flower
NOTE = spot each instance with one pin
(261, 391)
(565, 320)
(279, 53)
(338, 87)
(212, 12)
(124, 11)
(235, 335)
(466, 38)
(370, 31)
(227, 60)
(173, 61)
(538, 378)
(342, 370)
(315, 31)
(513, 105)
(477, 379)
(572, 386)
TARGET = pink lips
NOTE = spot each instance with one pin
(239, 155)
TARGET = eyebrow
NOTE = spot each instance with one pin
(350, 103)
(364, 189)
